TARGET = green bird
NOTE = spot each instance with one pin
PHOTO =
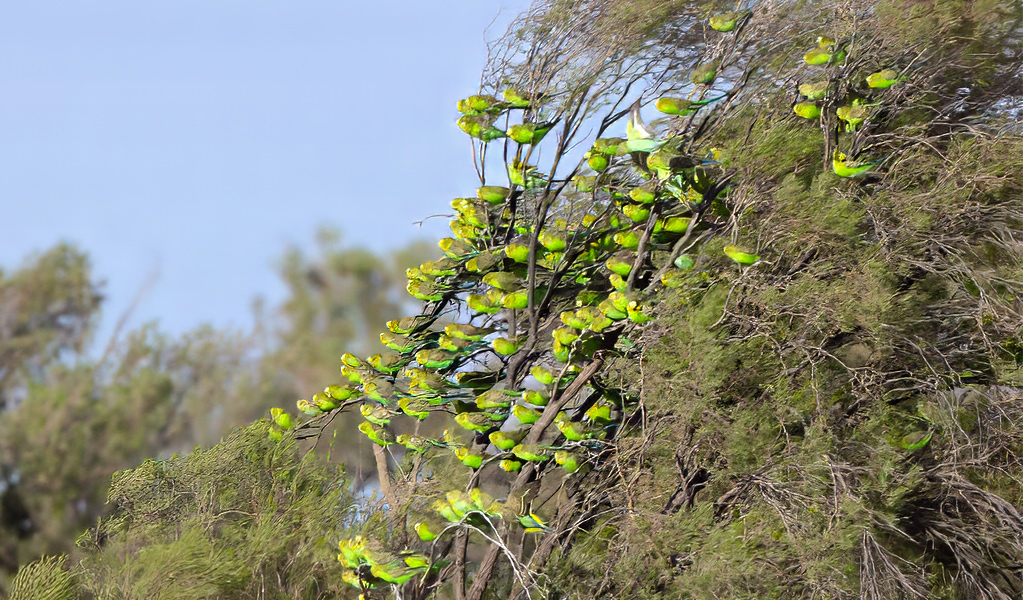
(415, 408)
(599, 414)
(665, 161)
(493, 194)
(807, 110)
(740, 256)
(636, 312)
(884, 79)
(567, 460)
(530, 133)
(542, 374)
(424, 533)
(644, 194)
(637, 213)
(525, 415)
(621, 262)
(375, 414)
(682, 107)
(463, 231)
(399, 343)
(585, 183)
(309, 408)
(825, 55)
(415, 443)
(424, 291)
(507, 346)
(435, 358)
(627, 239)
(519, 99)
(672, 225)
(445, 510)
(447, 342)
(465, 331)
(387, 362)
(282, 418)
(598, 162)
(480, 127)
(565, 335)
(505, 440)
(484, 261)
(504, 281)
(726, 22)
(842, 168)
(536, 397)
(476, 421)
(572, 430)
(407, 325)
(380, 436)
(533, 523)
(511, 466)
(481, 104)
(575, 320)
(704, 74)
(525, 176)
(611, 312)
(518, 249)
(476, 380)
(482, 304)
(853, 115)
(685, 262)
(815, 90)
(340, 392)
(617, 282)
(471, 459)
(530, 452)
(620, 300)
(455, 248)
(494, 398)
(379, 389)
(325, 403)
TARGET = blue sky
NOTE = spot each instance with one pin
(198, 139)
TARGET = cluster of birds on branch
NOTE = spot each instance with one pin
(518, 305)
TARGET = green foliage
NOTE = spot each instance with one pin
(245, 518)
(46, 579)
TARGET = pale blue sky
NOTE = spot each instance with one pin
(202, 137)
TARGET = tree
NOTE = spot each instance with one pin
(71, 420)
(795, 353)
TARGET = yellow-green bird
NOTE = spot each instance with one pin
(854, 114)
(843, 168)
(726, 22)
(480, 127)
(738, 255)
(807, 110)
(520, 99)
(504, 281)
(814, 90)
(682, 107)
(825, 53)
(524, 175)
(493, 194)
(530, 133)
(481, 104)
(704, 74)
(883, 79)
(376, 434)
